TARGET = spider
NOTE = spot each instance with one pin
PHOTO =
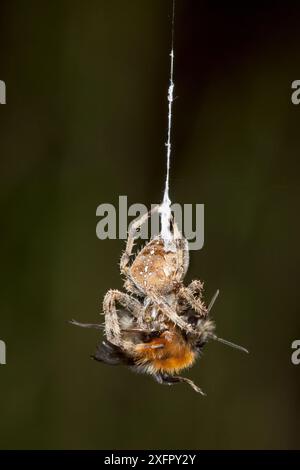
(162, 325)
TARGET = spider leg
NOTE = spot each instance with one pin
(196, 287)
(183, 259)
(112, 321)
(86, 325)
(172, 379)
(187, 294)
(182, 253)
(132, 235)
(170, 313)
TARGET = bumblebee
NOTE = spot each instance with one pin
(158, 326)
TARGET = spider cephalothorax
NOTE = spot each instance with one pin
(162, 324)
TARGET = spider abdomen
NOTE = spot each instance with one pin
(154, 268)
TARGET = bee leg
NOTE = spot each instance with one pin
(172, 379)
(154, 346)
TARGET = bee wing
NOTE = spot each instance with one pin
(111, 354)
(142, 335)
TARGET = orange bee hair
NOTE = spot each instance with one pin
(168, 353)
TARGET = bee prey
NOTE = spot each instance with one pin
(158, 326)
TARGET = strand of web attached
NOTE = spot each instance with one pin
(165, 208)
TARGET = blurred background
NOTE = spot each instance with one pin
(85, 122)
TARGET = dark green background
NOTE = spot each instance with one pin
(85, 122)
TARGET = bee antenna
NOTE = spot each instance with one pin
(229, 343)
(213, 301)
